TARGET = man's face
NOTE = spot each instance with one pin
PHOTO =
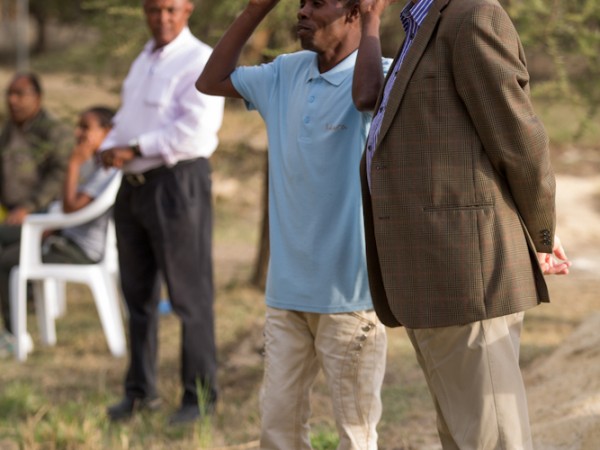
(166, 18)
(322, 24)
(23, 101)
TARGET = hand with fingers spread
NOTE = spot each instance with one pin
(555, 263)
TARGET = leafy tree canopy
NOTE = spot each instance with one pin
(564, 33)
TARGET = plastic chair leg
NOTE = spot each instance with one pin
(45, 310)
(54, 292)
(106, 299)
(61, 297)
(18, 307)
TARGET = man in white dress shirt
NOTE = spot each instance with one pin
(164, 133)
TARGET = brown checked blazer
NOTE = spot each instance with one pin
(462, 190)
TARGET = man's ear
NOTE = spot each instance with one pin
(353, 11)
(189, 8)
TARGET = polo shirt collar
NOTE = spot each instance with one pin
(336, 75)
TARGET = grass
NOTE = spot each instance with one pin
(324, 438)
(57, 398)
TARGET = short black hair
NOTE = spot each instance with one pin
(33, 79)
(103, 113)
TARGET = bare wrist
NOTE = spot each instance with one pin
(371, 21)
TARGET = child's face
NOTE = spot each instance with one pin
(89, 131)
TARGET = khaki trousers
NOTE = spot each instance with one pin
(351, 350)
(474, 378)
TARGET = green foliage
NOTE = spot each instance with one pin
(324, 439)
(561, 39)
(568, 33)
(122, 30)
(275, 35)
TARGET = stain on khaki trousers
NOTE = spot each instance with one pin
(350, 348)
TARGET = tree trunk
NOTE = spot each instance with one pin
(39, 14)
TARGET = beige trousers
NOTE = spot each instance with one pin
(474, 378)
(350, 348)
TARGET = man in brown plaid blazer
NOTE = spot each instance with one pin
(458, 197)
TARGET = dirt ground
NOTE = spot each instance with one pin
(564, 388)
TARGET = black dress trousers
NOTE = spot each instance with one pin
(163, 222)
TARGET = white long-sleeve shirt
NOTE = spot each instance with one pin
(161, 108)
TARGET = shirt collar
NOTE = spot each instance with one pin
(335, 75)
(172, 46)
(416, 12)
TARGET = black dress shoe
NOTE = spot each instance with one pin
(189, 413)
(130, 405)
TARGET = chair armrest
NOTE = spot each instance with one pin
(50, 220)
(35, 224)
(94, 209)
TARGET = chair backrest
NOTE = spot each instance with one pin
(35, 224)
(100, 277)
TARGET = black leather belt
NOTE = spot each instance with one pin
(139, 179)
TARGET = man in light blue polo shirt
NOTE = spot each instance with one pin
(319, 310)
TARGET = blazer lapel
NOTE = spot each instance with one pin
(409, 64)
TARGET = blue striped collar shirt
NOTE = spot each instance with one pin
(412, 17)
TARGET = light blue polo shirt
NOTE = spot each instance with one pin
(316, 138)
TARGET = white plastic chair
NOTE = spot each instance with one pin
(49, 279)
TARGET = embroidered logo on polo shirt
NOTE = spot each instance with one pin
(332, 127)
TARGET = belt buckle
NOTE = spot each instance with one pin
(135, 179)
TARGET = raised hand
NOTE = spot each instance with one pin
(373, 6)
(269, 4)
